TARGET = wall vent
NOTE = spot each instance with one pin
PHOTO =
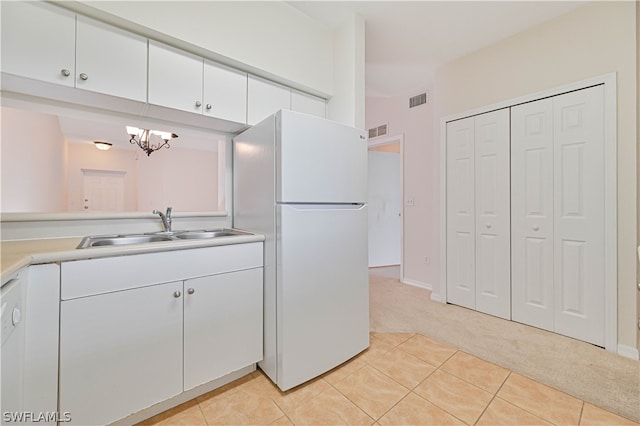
(378, 131)
(418, 100)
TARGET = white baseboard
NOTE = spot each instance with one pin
(415, 283)
(437, 297)
(628, 352)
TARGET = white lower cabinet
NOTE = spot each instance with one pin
(124, 350)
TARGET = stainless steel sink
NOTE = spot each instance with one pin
(112, 240)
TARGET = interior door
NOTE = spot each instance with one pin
(532, 213)
(461, 289)
(103, 190)
(579, 214)
(492, 227)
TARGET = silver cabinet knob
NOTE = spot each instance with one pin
(488, 225)
(65, 72)
(198, 104)
(209, 106)
(191, 291)
(177, 294)
(535, 227)
(84, 77)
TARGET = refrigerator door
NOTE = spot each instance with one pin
(319, 161)
(322, 289)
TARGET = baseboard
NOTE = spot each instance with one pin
(628, 352)
(437, 297)
(415, 283)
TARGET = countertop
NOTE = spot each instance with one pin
(15, 255)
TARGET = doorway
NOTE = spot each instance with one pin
(386, 216)
(103, 190)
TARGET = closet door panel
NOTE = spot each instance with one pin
(579, 214)
(492, 236)
(460, 213)
(532, 213)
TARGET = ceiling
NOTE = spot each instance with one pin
(406, 41)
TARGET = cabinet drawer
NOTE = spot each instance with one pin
(95, 276)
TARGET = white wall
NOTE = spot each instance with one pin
(595, 39)
(33, 159)
(419, 232)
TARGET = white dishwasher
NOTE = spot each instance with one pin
(13, 345)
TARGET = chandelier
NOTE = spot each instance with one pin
(150, 140)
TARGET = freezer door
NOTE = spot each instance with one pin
(319, 161)
(322, 289)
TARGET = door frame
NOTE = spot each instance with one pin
(609, 81)
(389, 140)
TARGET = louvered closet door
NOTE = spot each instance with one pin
(492, 214)
(579, 214)
(532, 213)
(461, 213)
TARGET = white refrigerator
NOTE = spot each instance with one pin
(302, 182)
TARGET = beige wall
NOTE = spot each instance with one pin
(595, 39)
(33, 159)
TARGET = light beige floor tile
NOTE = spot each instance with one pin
(552, 405)
(329, 408)
(288, 401)
(226, 390)
(414, 410)
(282, 421)
(427, 350)
(344, 370)
(481, 373)
(392, 339)
(242, 408)
(372, 391)
(592, 415)
(454, 395)
(501, 412)
(402, 367)
(188, 413)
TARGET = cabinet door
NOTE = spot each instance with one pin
(175, 78)
(308, 104)
(532, 213)
(38, 41)
(120, 352)
(222, 325)
(265, 98)
(113, 61)
(492, 228)
(225, 93)
(461, 288)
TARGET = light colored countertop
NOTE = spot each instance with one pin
(15, 255)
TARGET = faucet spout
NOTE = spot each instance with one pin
(166, 218)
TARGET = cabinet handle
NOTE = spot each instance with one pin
(65, 72)
(198, 104)
(177, 294)
(488, 225)
(535, 227)
(191, 291)
(208, 106)
(84, 77)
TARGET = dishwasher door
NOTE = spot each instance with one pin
(13, 338)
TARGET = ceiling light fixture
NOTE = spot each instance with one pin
(145, 138)
(102, 146)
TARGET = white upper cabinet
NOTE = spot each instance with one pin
(308, 104)
(181, 80)
(175, 78)
(110, 60)
(225, 92)
(265, 98)
(45, 42)
(38, 41)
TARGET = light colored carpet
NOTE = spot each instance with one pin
(580, 369)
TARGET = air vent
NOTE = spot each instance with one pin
(418, 100)
(378, 131)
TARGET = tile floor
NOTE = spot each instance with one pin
(402, 379)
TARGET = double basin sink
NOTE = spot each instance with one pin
(125, 239)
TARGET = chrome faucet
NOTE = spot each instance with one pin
(166, 218)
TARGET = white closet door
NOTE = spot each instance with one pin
(579, 214)
(461, 213)
(532, 213)
(492, 218)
